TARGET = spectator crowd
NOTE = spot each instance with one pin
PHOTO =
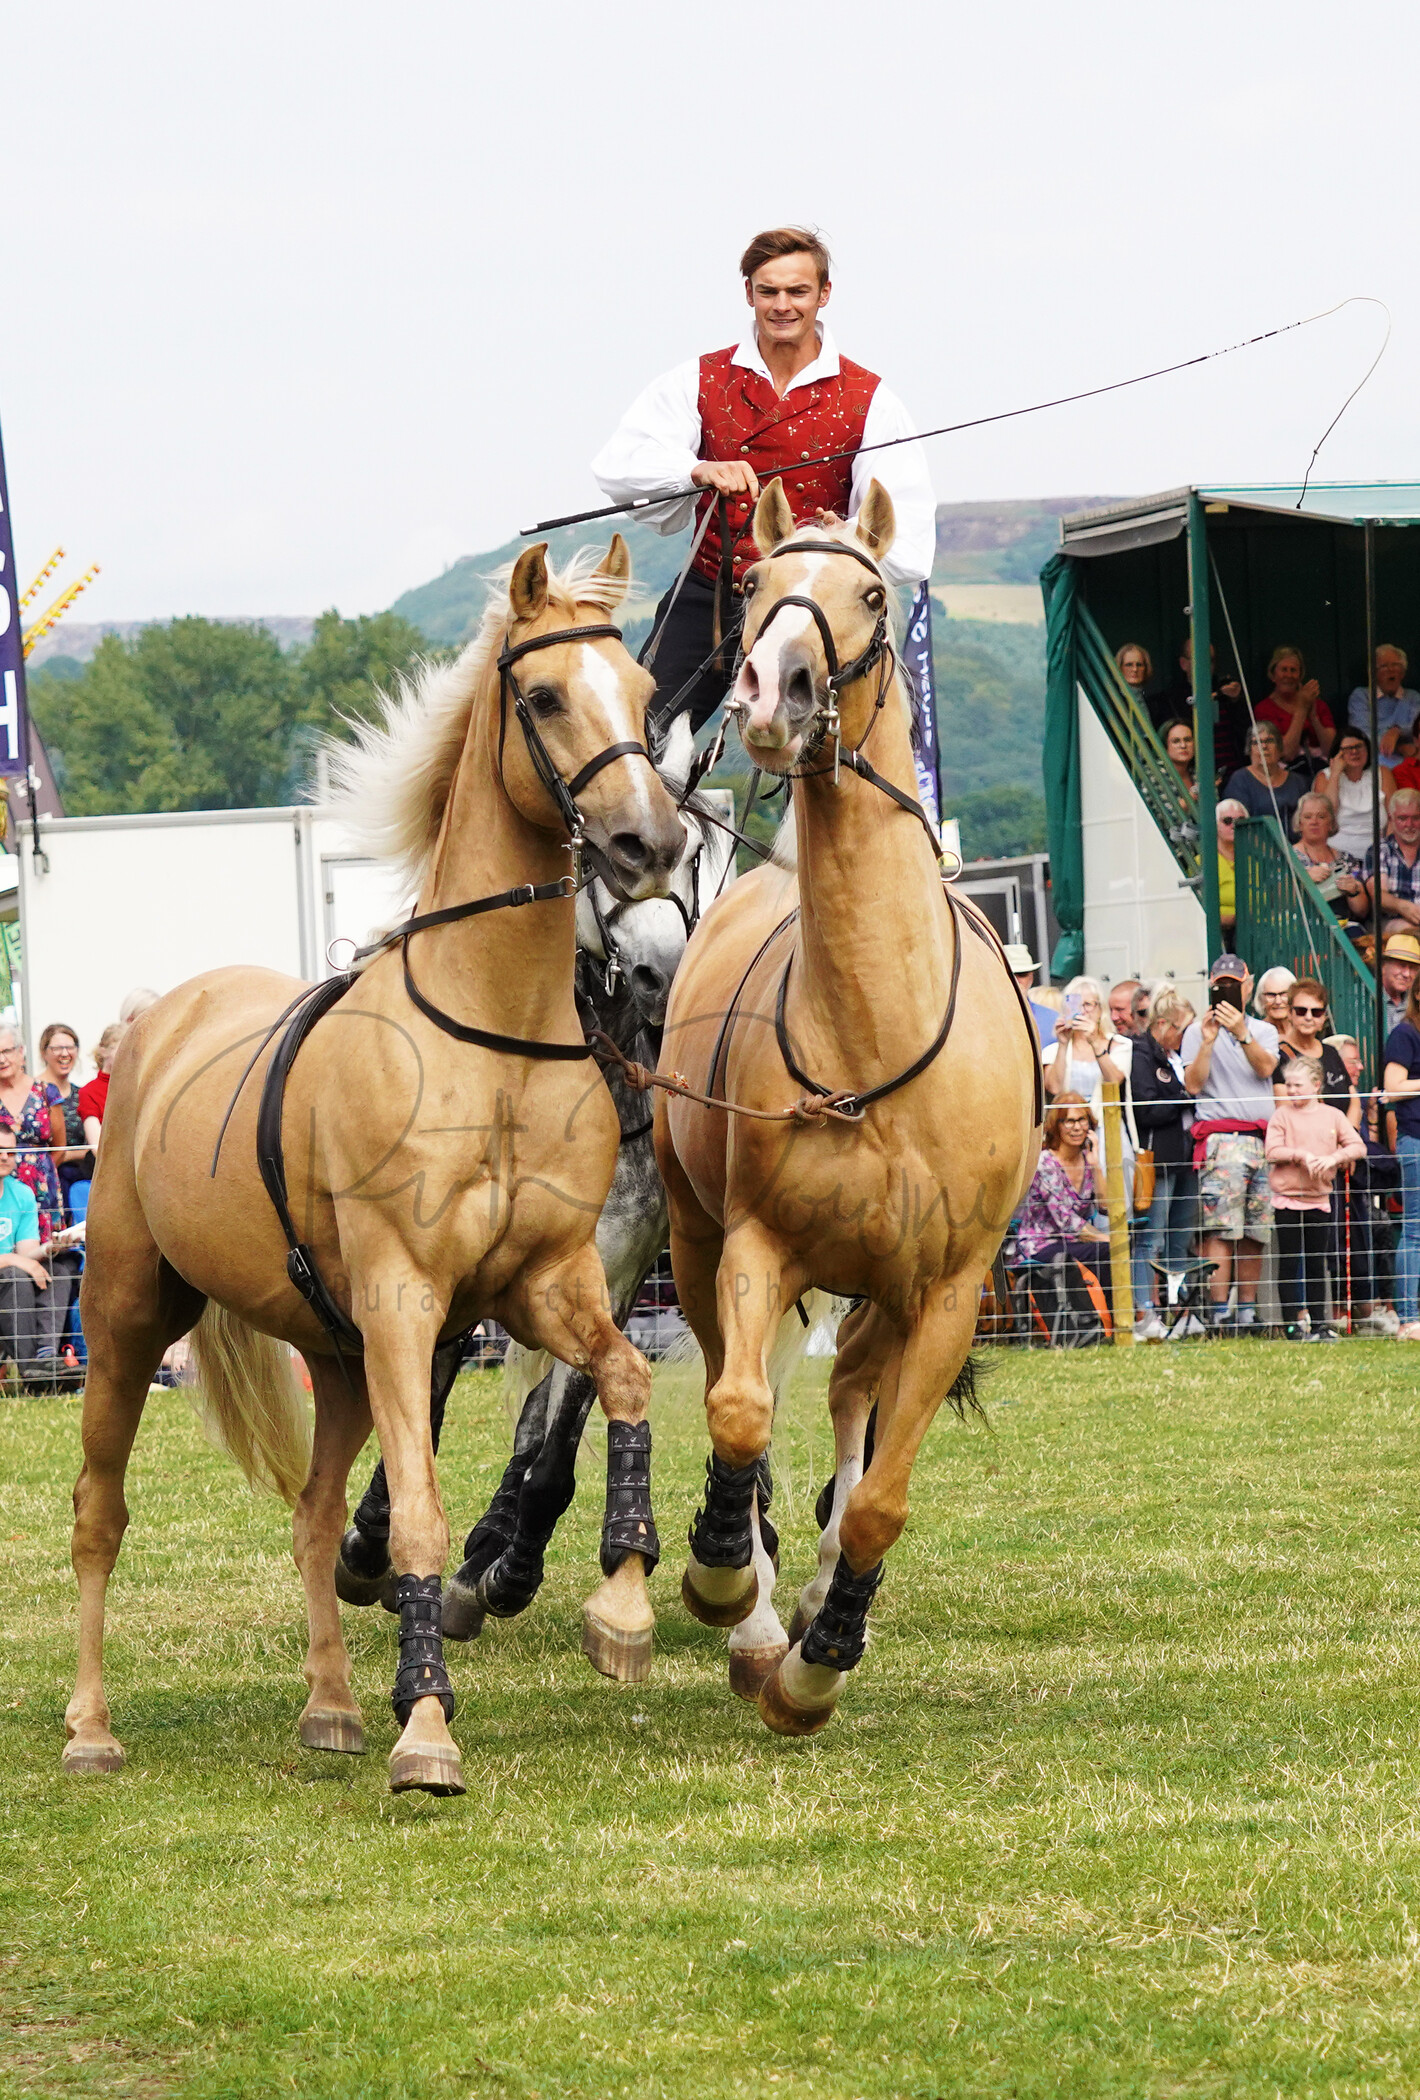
(1243, 1128)
(51, 1121)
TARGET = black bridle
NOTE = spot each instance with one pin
(564, 795)
(825, 722)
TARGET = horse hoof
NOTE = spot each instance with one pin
(328, 1729)
(783, 1715)
(84, 1759)
(355, 1584)
(427, 1769)
(751, 1667)
(799, 1624)
(388, 1596)
(712, 1612)
(463, 1611)
(615, 1651)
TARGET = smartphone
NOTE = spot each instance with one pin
(1074, 1005)
(1226, 991)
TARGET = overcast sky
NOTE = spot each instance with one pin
(303, 302)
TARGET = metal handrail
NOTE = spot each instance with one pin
(1285, 921)
(1126, 723)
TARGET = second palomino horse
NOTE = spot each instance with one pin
(864, 1024)
(429, 1174)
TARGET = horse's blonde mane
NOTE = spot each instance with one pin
(392, 780)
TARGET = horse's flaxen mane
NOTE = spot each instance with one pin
(392, 780)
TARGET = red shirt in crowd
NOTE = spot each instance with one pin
(1281, 717)
(93, 1097)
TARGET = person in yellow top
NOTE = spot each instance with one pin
(1230, 813)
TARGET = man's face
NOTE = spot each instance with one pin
(1406, 825)
(1397, 976)
(1121, 1009)
(7, 1155)
(786, 296)
(1390, 673)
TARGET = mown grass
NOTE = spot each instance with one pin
(1122, 1801)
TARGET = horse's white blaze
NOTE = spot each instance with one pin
(760, 683)
(636, 777)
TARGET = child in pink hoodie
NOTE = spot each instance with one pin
(1307, 1140)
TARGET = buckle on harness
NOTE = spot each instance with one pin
(523, 894)
(301, 1270)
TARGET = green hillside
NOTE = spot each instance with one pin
(990, 673)
(976, 543)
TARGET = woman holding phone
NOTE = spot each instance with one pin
(1083, 1054)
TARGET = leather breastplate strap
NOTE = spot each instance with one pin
(271, 1164)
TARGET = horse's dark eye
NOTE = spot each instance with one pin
(875, 599)
(544, 702)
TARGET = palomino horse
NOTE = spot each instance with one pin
(875, 997)
(627, 957)
(428, 1162)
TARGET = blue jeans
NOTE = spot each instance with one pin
(1165, 1233)
(1407, 1254)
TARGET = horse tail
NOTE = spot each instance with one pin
(964, 1391)
(816, 1310)
(250, 1404)
(523, 1372)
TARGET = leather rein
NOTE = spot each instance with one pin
(819, 1104)
(564, 794)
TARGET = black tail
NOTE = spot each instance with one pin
(964, 1390)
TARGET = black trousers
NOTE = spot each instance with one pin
(32, 1320)
(1361, 1214)
(687, 639)
(1305, 1240)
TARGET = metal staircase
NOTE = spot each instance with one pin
(1126, 723)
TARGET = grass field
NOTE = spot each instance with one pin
(1123, 1799)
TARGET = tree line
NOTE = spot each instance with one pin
(210, 714)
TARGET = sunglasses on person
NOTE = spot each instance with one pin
(1310, 1013)
(1228, 823)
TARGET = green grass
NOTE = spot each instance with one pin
(1123, 1799)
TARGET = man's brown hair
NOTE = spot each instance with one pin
(786, 240)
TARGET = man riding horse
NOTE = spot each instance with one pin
(733, 418)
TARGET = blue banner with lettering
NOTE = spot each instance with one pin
(917, 656)
(14, 742)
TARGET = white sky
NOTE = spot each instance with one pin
(304, 301)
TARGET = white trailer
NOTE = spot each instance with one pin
(119, 902)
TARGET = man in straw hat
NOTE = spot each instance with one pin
(1400, 960)
(731, 420)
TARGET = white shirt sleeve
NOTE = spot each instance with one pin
(655, 446)
(903, 473)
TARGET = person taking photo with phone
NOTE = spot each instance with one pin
(1228, 1066)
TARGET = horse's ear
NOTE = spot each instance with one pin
(615, 567)
(773, 519)
(876, 522)
(527, 587)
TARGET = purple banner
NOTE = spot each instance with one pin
(14, 741)
(917, 656)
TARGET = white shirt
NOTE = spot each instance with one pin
(657, 444)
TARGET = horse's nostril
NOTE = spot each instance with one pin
(630, 849)
(799, 690)
(650, 990)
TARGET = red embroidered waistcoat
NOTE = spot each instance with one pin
(741, 417)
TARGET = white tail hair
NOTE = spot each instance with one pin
(391, 782)
(249, 1403)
